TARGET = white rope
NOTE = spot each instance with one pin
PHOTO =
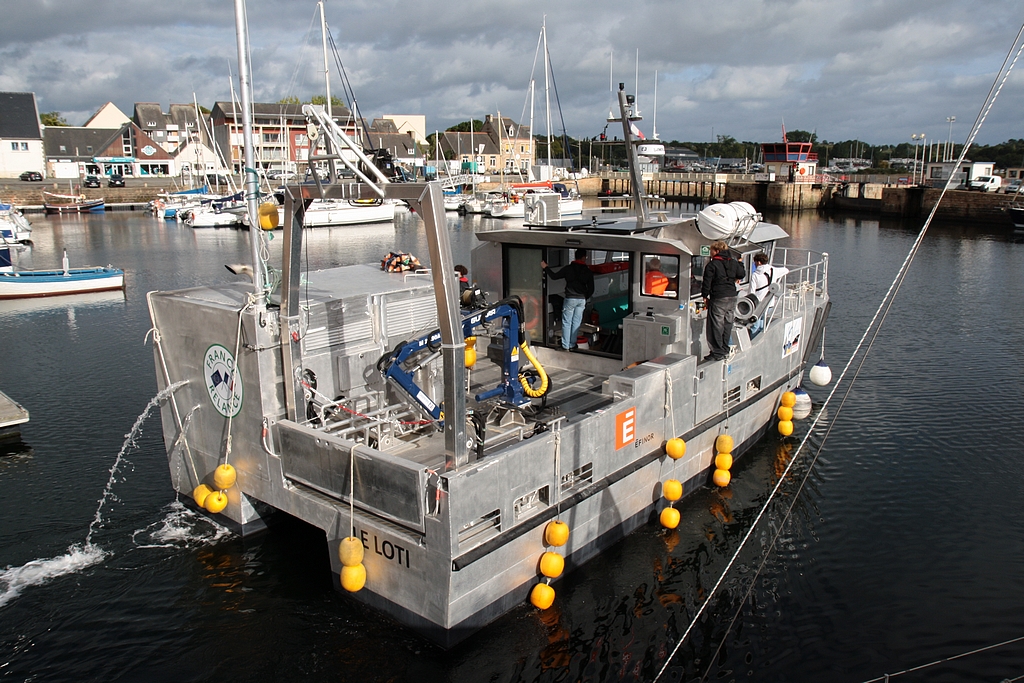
(251, 299)
(871, 330)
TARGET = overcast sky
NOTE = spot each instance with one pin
(877, 70)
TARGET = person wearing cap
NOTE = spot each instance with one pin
(718, 287)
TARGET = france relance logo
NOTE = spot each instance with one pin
(224, 387)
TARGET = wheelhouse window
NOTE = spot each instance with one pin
(660, 276)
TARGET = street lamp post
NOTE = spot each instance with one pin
(915, 137)
(949, 154)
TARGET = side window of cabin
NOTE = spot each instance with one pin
(660, 276)
(697, 264)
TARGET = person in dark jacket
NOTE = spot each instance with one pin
(721, 275)
(579, 286)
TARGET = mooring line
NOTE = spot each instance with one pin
(886, 677)
(871, 330)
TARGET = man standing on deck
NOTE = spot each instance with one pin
(579, 286)
(721, 275)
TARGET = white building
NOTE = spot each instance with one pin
(21, 136)
(937, 172)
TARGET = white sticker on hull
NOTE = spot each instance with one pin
(224, 388)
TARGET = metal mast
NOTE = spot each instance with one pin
(547, 96)
(327, 73)
(251, 183)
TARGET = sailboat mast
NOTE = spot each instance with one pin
(251, 183)
(327, 73)
(533, 159)
(654, 124)
(547, 96)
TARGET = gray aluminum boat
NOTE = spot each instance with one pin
(347, 402)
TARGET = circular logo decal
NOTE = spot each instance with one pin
(149, 150)
(224, 388)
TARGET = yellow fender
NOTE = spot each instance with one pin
(527, 389)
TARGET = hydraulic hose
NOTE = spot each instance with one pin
(527, 389)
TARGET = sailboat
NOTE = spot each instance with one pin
(328, 212)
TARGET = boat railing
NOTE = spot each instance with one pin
(805, 286)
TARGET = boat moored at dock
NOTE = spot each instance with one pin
(23, 284)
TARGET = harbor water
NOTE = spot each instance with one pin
(899, 548)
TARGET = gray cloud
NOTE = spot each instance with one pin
(875, 70)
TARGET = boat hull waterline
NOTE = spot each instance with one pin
(38, 283)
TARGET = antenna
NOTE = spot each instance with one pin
(636, 88)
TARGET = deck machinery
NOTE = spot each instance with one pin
(345, 399)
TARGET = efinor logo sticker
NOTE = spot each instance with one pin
(625, 428)
(224, 387)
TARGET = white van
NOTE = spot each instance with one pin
(986, 183)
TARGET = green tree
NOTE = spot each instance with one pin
(322, 100)
(464, 127)
(291, 99)
(52, 118)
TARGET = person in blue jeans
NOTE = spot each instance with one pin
(579, 286)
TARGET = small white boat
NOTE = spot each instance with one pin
(209, 217)
(14, 227)
(20, 284)
(322, 213)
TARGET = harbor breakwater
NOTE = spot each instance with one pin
(890, 201)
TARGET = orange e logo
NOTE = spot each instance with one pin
(625, 428)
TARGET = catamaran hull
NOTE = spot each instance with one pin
(448, 551)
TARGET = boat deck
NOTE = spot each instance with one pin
(573, 392)
(12, 415)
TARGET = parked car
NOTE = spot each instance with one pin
(280, 175)
(986, 183)
(115, 180)
(91, 181)
(217, 179)
(31, 175)
(1013, 187)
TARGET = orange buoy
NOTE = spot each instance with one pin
(542, 596)
(669, 518)
(724, 443)
(723, 461)
(788, 399)
(556, 533)
(200, 493)
(353, 578)
(785, 413)
(350, 551)
(224, 477)
(721, 477)
(216, 502)
(675, 448)
(552, 565)
(672, 489)
(785, 427)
